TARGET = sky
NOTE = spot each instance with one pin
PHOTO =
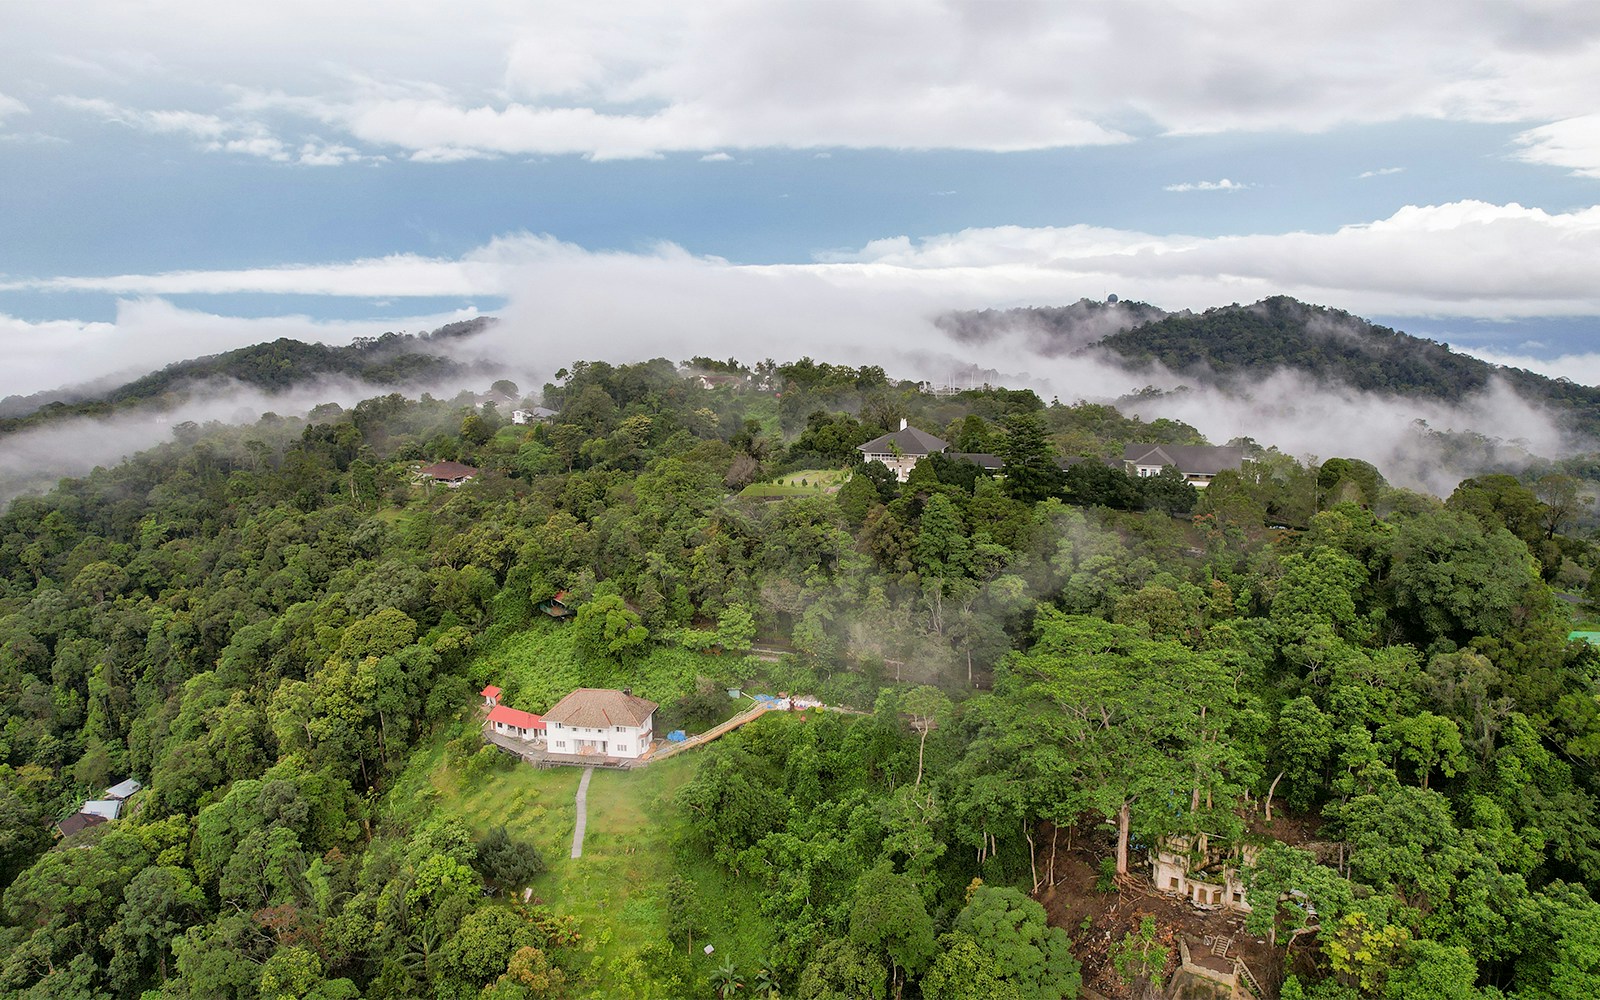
(181, 177)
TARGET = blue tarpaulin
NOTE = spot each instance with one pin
(676, 736)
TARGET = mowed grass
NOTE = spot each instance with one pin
(632, 847)
(807, 482)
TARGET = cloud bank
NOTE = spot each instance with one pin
(1465, 258)
(635, 79)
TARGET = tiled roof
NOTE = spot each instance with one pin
(77, 822)
(597, 708)
(907, 440)
(490, 692)
(981, 459)
(512, 717)
(448, 470)
(1191, 459)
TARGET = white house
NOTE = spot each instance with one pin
(531, 415)
(902, 449)
(598, 721)
(1199, 463)
(491, 696)
(517, 725)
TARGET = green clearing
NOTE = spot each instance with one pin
(631, 849)
(807, 482)
(538, 667)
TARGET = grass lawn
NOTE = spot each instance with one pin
(807, 482)
(617, 889)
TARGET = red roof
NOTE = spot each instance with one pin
(490, 692)
(512, 717)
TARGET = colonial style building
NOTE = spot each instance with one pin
(1199, 463)
(598, 721)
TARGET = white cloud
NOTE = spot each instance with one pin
(716, 158)
(1573, 143)
(1584, 367)
(1467, 258)
(1222, 185)
(33, 138)
(638, 78)
(10, 106)
(215, 134)
(1380, 172)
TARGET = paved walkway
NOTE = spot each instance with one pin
(583, 813)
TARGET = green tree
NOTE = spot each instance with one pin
(605, 629)
(1458, 580)
(736, 628)
(840, 971)
(1015, 949)
(159, 903)
(889, 918)
(507, 863)
(1140, 959)
(1031, 472)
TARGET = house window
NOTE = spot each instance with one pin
(561, 744)
(1238, 897)
(622, 747)
(620, 729)
(1172, 883)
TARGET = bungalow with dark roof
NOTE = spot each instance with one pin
(448, 473)
(595, 720)
(901, 450)
(77, 823)
(1198, 463)
(532, 414)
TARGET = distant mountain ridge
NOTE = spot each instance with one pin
(1230, 347)
(390, 360)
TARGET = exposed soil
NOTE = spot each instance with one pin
(1095, 920)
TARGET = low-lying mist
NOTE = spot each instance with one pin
(627, 307)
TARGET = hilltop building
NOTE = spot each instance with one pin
(599, 721)
(448, 473)
(901, 450)
(1199, 463)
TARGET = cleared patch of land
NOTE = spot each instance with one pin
(632, 846)
(807, 482)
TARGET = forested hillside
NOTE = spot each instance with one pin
(1236, 347)
(392, 360)
(1362, 698)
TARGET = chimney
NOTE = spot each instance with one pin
(902, 423)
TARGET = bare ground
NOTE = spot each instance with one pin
(1095, 920)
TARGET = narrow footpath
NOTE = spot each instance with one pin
(583, 813)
